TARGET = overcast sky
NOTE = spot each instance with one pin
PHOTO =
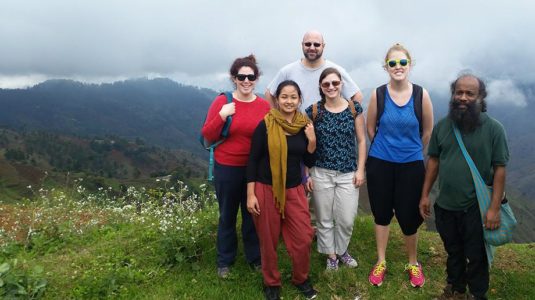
(195, 41)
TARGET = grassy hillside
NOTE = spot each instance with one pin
(159, 244)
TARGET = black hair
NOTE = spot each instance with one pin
(482, 92)
(287, 83)
(248, 61)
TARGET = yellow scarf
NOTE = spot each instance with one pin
(278, 150)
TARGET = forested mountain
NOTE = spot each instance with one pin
(28, 158)
(159, 111)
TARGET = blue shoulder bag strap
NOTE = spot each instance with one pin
(224, 134)
(483, 196)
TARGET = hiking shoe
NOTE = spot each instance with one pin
(223, 272)
(416, 275)
(348, 260)
(307, 290)
(332, 264)
(377, 274)
(272, 292)
(450, 294)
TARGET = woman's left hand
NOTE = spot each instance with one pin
(359, 178)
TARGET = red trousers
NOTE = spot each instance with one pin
(295, 228)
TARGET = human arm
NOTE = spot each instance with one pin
(270, 98)
(252, 201)
(360, 175)
(216, 117)
(311, 137)
(427, 118)
(431, 174)
(371, 116)
(258, 141)
(492, 218)
(309, 155)
(357, 97)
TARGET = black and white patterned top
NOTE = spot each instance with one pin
(335, 139)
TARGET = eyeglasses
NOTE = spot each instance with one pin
(308, 44)
(402, 62)
(327, 84)
(241, 77)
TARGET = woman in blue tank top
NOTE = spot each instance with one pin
(395, 168)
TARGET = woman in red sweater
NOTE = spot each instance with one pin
(247, 110)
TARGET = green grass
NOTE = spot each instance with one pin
(129, 260)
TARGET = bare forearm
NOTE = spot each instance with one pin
(498, 186)
(362, 155)
(250, 188)
(311, 146)
(269, 98)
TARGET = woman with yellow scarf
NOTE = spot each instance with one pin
(276, 199)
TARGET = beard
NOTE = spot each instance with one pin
(313, 56)
(466, 119)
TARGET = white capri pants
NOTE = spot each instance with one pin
(336, 200)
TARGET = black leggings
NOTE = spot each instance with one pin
(395, 188)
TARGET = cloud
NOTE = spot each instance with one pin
(196, 40)
(504, 92)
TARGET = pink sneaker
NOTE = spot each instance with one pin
(416, 275)
(377, 274)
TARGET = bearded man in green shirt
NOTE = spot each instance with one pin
(457, 215)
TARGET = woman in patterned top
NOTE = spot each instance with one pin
(337, 173)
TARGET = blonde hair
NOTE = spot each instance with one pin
(398, 47)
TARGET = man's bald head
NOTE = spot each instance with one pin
(313, 34)
(312, 47)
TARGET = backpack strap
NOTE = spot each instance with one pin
(380, 92)
(226, 127)
(224, 134)
(314, 111)
(352, 108)
(417, 96)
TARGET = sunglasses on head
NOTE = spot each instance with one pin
(327, 84)
(402, 62)
(241, 77)
(308, 44)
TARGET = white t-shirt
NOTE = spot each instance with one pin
(308, 81)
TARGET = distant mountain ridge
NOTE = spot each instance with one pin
(160, 111)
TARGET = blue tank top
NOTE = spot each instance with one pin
(398, 138)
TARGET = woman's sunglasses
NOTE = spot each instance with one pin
(241, 77)
(327, 84)
(402, 62)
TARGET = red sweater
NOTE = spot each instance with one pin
(234, 151)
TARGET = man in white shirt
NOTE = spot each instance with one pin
(306, 72)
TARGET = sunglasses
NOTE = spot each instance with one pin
(308, 44)
(402, 62)
(327, 84)
(241, 77)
